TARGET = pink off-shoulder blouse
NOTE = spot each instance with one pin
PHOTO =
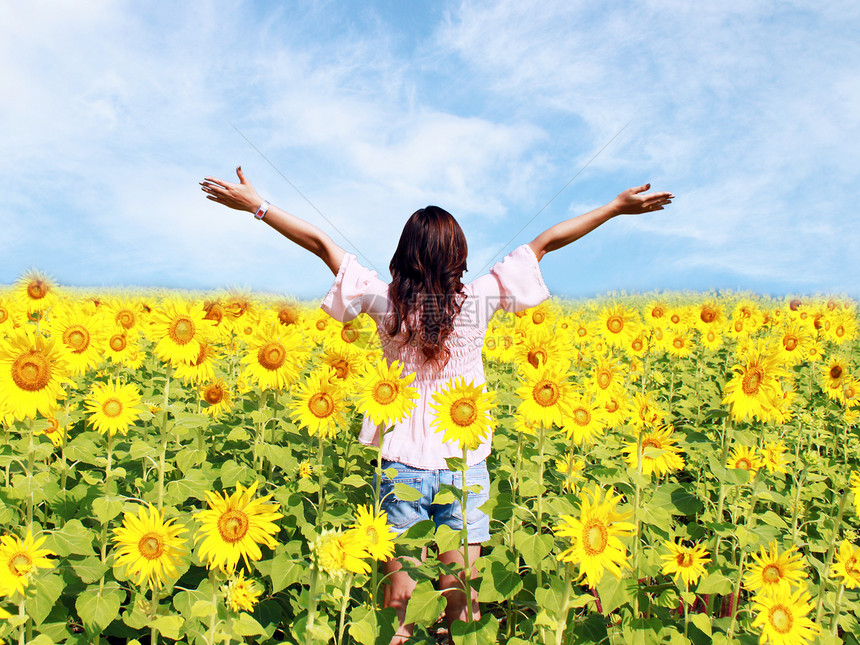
(513, 284)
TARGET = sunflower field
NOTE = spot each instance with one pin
(666, 468)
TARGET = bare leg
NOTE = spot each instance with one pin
(456, 596)
(397, 592)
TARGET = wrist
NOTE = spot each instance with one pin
(262, 209)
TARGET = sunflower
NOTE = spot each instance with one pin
(338, 553)
(647, 413)
(842, 328)
(150, 547)
(754, 384)
(123, 347)
(217, 396)
(540, 347)
(655, 312)
(463, 413)
(745, 458)
(660, 455)
(585, 419)
(847, 565)
(773, 457)
(793, 343)
(241, 594)
(52, 429)
(202, 368)
(546, 395)
(179, 328)
(618, 325)
(35, 292)
(834, 373)
(783, 617)
(572, 468)
(124, 312)
(8, 313)
(680, 343)
(710, 315)
(346, 363)
(113, 406)
(583, 332)
(772, 571)
(712, 339)
(618, 410)
(32, 373)
(318, 404)
(234, 526)
(607, 379)
(274, 357)
(384, 394)
(685, 562)
(306, 470)
(82, 335)
(595, 544)
(380, 537)
(19, 560)
(288, 313)
(356, 335)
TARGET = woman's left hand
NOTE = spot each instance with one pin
(241, 196)
(631, 202)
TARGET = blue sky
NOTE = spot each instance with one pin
(746, 111)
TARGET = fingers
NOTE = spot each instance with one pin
(240, 174)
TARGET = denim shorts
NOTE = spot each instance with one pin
(402, 514)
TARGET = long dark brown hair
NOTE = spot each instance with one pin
(426, 281)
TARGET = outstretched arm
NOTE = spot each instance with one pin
(243, 197)
(627, 203)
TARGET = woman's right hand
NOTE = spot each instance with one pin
(241, 196)
(633, 202)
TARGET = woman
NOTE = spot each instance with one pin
(433, 323)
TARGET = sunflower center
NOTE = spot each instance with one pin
(615, 324)
(604, 379)
(464, 412)
(214, 394)
(612, 406)
(214, 312)
(182, 330)
(675, 318)
(780, 619)
(708, 314)
(151, 546)
(349, 335)
(738, 326)
(490, 343)
(582, 331)
(637, 345)
(125, 318)
(790, 343)
(372, 535)
(112, 407)
(752, 381)
(232, 525)
(117, 343)
(851, 565)
(771, 573)
(288, 315)
(321, 405)
(684, 560)
(581, 416)
(536, 357)
(538, 317)
(650, 443)
(77, 338)
(678, 343)
(657, 312)
(546, 393)
(794, 304)
(595, 536)
(321, 324)
(37, 289)
(20, 564)
(31, 371)
(840, 331)
(52, 427)
(712, 336)
(385, 392)
(272, 355)
(744, 463)
(507, 342)
(202, 355)
(341, 368)
(835, 372)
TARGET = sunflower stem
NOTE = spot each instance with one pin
(312, 605)
(565, 610)
(541, 438)
(637, 521)
(213, 617)
(837, 605)
(153, 610)
(22, 613)
(343, 605)
(828, 560)
(686, 608)
(162, 457)
(467, 568)
(30, 468)
(377, 508)
(321, 468)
